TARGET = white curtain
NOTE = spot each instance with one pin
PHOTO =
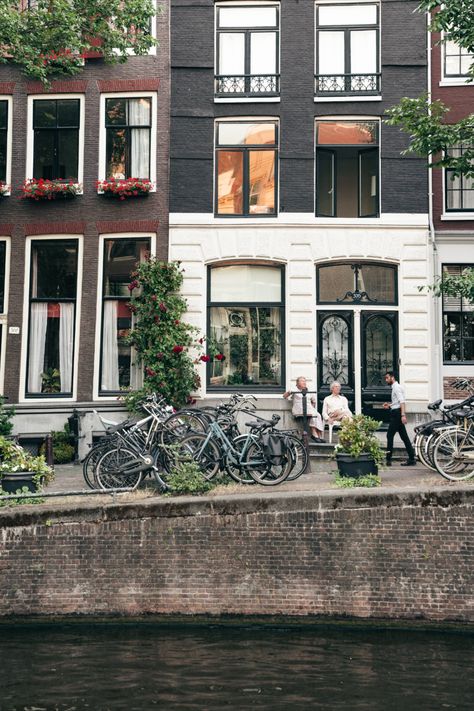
(38, 326)
(139, 115)
(66, 346)
(110, 370)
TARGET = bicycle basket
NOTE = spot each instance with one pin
(274, 448)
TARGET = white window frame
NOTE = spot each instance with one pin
(30, 134)
(8, 179)
(103, 133)
(97, 397)
(451, 81)
(4, 313)
(26, 312)
(349, 98)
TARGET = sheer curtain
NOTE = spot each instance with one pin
(110, 370)
(38, 326)
(66, 346)
(139, 115)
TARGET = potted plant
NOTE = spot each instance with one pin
(42, 189)
(20, 470)
(359, 452)
(124, 188)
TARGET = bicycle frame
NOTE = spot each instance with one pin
(216, 432)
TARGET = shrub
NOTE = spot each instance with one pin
(348, 482)
(357, 436)
(186, 478)
(6, 416)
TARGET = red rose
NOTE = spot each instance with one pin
(178, 349)
(159, 356)
(133, 285)
(176, 323)
(150, 372)
(163, 307)
(192, 400)
(154, 297)
(201, 341)
(157, 319)
(220, 356)
(205, 358)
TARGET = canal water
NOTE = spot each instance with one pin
(143, 666)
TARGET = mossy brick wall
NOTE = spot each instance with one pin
(398, 555)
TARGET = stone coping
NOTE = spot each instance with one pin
(276, 502)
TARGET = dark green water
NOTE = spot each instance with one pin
(147, 666)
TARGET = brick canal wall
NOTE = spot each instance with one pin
(379, 555)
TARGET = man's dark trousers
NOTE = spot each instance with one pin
(396, 425)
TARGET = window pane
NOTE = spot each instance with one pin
(229, 182)
(334, 281)
(331, 53)
(116, 356)
(246, 133)
(3, 114)
(2, 275)
(139, 112)
(325, 183)
(3, 155)
(263, 53)
(347, 14)
(116, 146)
(231, 53)
(244, 283)
(247, 17)
(466, 62)
(68, 154)
(120, 258)
(139, 153)
(468, 349)
(364, 52)
(261, 182)
(53, 270)
(116, 112)
(250, 339)
(43, 160)
(44, 114)
(50, 348)
(378, 282)
(346, 133)
(452, 66)
(68, 112)
(368, 177)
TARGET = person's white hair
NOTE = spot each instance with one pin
(335, 382)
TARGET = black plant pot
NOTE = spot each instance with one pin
(356, 466)
(12, 482)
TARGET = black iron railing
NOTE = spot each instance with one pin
(353, 84)
(247, 85)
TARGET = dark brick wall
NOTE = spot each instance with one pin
(403, 37)
(362, 555)
(89, 213)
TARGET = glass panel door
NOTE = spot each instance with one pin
(336, 348)
(379, 341)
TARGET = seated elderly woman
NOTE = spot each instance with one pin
(315, 422)
(335, 405)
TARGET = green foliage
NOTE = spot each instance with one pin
(454, 285)
(161, 339)
(63, 446)
(186, 478)
(48, 39)
(51, 381)
(14, 458)
(357, 436)
(22, 501)
(455, 19)
(349, 482)
(6, 416)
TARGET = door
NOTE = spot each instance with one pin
(379, 346)
(336, 349)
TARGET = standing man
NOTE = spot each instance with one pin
(398, 421)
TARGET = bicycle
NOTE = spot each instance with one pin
(454, 451)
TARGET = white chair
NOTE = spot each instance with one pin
(331, 427)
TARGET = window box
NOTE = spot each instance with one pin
(49, 189)
(123, 189)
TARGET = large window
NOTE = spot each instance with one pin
(118, 370)
(246, 326)
(347, 168)
(3, 139)
(457, 60)
(247, 50)
(56, 129)
(128, 137)
(246, 165)
(52, 315)
(347, 51)
(458, 322)
(459, 189)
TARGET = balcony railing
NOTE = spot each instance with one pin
(247, 85)
(346, 84)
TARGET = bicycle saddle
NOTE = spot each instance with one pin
(261, 424)
(434, 405)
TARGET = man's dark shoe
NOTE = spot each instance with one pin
(317, 439)
(388, 463)
(409, 463)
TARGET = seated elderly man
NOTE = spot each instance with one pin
(335, 405)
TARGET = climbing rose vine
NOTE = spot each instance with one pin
(165, 345)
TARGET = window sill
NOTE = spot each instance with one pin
(347, 98)
(456, 81)
(247, 100)
(457, 216)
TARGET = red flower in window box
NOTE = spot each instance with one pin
(4, 189)
(178, 349)
(42, 189)
(126, 188)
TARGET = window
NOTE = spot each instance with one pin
(246, 167)
(3, 139)
(56, 129)
(459, 189)
(118, 370)
(347, 49)
(246, 325)
(359, 283)
(457, 60)
(347, 168)
(128, 137)
(52, 315)
(458, 322)
(247, 50)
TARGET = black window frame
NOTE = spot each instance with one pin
(128, 129)
(48, 300)
(462, 52)
(230, 86)
(245, 149)
(461, 338)
(57, 129)
(347, 90)
(448, 181)
(249, 304)
(107, 297)
(332, 149)
(343, 302)
(4, 132)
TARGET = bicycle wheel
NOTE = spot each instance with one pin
(263, 471)
(206, 454)
(300, 455)
(238, 471)
(111, 470)
(450, 452)
(179, 425)
(89, 464)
